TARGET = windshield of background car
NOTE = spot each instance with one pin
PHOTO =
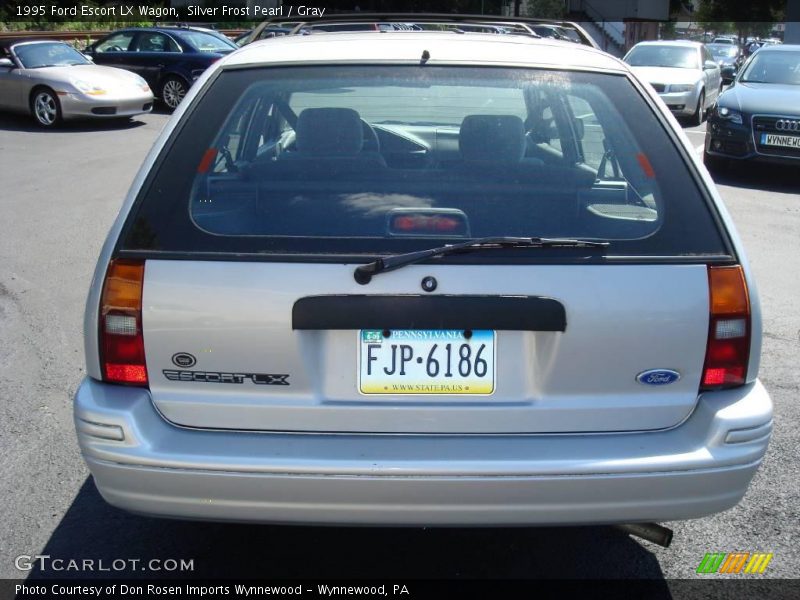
(206, 42)
(724, 51)
(33, 56)
(774, 67)
(663, 56)
(371, 159)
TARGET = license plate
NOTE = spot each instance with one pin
(785, 141)
(426, 361)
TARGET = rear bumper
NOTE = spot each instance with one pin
(701, 467)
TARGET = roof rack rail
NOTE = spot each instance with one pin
(302, 25)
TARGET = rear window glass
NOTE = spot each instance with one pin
(380, 159)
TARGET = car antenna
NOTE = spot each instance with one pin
(426, 56)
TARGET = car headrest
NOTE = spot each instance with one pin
(492, 138)
(329, 132)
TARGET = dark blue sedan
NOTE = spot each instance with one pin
(170, 59)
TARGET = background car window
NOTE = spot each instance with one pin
(663, 56)
(774, 67)
(206, 42)
(33, 56)
(119, 42)
(156, 42)
(724, 51)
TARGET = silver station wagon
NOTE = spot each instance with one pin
(423, 278)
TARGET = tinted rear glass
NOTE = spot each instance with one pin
(380, 159)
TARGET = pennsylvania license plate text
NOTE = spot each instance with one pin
(436, 361)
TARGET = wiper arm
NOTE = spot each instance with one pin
(365, 273)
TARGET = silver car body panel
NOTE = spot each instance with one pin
(236, 317)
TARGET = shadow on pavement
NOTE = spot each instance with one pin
(9, 122)
(771, 178)
(91, 529)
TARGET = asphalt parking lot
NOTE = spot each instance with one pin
(60, 192)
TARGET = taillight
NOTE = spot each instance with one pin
(121, 339)
(728, 348)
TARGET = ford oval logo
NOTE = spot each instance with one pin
(658, 377)
(184, 360)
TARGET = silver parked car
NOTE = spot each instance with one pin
(52, 81)
(436, 286)
(685, 75)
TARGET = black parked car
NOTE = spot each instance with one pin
(170, 59)
(758, 117)
(729, 57)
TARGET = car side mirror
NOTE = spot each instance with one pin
(709, 65)
(6, 63)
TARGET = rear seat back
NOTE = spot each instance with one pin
(492, 139)
(330, 142)
(494, 146)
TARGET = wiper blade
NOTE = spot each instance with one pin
(365, 273)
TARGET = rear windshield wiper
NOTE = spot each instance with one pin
(365, 273)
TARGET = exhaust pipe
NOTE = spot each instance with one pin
(652, 532)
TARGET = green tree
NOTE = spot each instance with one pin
(667, 31)
(545, 9)
(745, 18)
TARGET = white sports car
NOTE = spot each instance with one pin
(53, 81)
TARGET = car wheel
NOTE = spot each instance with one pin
(45, 107)
(700, 113)
(173, 91)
